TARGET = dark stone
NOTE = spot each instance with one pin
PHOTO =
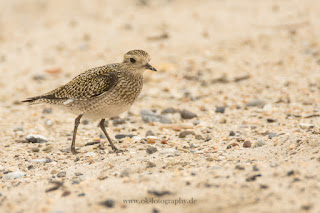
(247, 144)
(185, 114)
(151, 149)
(185, 133)
(232, 133)
(271, 120)
(253, 177)
(120, 136)
(291, 172)
(108, 203)
(159, 193)
(154, 210)
(92, 143)
(239, 167)
(81, 195)
(220, 109)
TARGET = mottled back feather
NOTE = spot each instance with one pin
(87, 85)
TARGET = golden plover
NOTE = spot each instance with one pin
(101, 92)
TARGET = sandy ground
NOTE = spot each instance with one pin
(209, 54)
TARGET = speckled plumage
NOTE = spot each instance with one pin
(101, 92)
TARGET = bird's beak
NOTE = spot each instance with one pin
(149, 67)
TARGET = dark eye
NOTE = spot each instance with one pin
(132, 60)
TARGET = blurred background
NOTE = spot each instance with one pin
(58, 39)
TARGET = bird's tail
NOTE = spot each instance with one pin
(33, 100)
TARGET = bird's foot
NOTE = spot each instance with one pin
(116, 150)
(73, 150)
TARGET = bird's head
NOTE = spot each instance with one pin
(137, 60)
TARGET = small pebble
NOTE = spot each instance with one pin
(108, 203)
(271, 120)
(35, 149)
(151, 140)
(149, 116)
(118, 121)
(92, 143)
(256, 103)
(125, 173)
(47, 110)
(220, 109)
(150, 164)
(159, 193)
(85, 122)
(247, 144)
(183, 134)
(43, 160)
(61, 174)
(48, 122)
(78, 174)
(306, 125)
(255, 168)
(120, 136)
(36, 138)
(198, 137)
(18, 129)
(169, 110)
(259, 143)
(291, 172)
(149, 133)
(239, 167)
(232, 133)
(272, 135)
(151, 149)
(168, 151)
(186, 114)
(47, 149)
(15, 175)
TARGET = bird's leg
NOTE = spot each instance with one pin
(102, 126)
(73, 144)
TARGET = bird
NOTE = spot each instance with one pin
(101, 92)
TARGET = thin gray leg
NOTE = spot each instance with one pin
(102, 126)
(73, 144)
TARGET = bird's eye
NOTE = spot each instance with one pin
(132, 60)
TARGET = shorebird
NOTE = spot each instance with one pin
(101, 92)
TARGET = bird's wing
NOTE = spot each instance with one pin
(87, 85)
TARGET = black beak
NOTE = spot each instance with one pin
(149, 67)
